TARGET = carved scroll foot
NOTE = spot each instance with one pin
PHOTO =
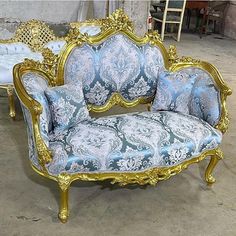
(64, 181)
(213, 162)
(10, 93)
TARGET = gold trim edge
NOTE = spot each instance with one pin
(52, 69)
(151, 176)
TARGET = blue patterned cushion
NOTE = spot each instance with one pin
(115, 65)
(67, 105)
(131, 142)
(205, 98)
(173, 92)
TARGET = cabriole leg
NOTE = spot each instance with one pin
(64, 210)
(214, 160)
(10, 94)
(64, 181)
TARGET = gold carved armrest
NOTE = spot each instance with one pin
(177, 64)
(45, 70)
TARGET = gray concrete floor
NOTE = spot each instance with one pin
(183, 205)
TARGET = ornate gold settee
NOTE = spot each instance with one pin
(118, 68)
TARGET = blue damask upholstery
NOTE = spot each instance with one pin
(35, 85)
(130, 142)
(205, 98)
(67, 105)
(33, 155)
(115, 65)
(173, 92)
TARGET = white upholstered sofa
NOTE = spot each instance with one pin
(185, 125)
(28, 42)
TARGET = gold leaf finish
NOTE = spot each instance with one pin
(33, 33)
(118, 20)
(64, 181)
(151, 176)
(52, 69)
(173, 57)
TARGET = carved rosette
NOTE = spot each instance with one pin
(49, 64)
(223, 123)
(173, 57)
(153, 36)
(118, 20)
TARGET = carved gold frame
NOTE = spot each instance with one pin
(52, 69)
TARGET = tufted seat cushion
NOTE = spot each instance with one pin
(8, 61)
(130, 142)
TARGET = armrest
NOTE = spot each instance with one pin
(30, 85)
(208, 97)
(205, 100)
(35, 85)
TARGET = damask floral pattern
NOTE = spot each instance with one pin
(130, 142)
(33, 155)
(173, 92)
(204, 101)
(67, 105)
(115, 65)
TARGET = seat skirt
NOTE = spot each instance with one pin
(130, 142)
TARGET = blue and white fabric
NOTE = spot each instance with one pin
(35, 85)
(67, 105)
(205, 97)
(173, 92)
(130, 142)
(33, 154)
(115, 65)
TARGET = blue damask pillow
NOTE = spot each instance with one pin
(67, 105)
(173, 92)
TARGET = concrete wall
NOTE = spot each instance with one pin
(50, 11)
(230, 20)
(57, 12)
(138, 13)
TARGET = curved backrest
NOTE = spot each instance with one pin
(115, 65)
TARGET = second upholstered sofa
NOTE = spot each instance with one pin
(185, 122)
(29, 40)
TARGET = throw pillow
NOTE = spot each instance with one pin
(173, 92)
(67, 105)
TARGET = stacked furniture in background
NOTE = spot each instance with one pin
(171, 12)
(28, 42)
(185, 125)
